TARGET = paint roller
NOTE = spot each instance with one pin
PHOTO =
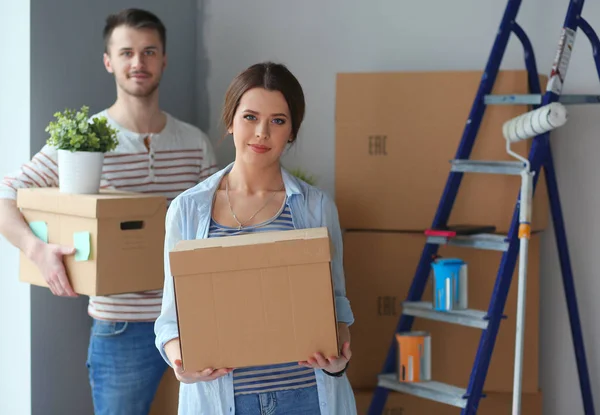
(535, 122)
(521, 128)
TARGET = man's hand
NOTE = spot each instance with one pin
(49, 260)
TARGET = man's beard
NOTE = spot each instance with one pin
(140, 93)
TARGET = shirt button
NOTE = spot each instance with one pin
(151, 167)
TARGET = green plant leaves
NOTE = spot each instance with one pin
(74, 131)
(302, 175)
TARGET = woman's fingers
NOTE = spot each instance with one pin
(346, 352)
(321, 361)
(200, 376)
(218, 373)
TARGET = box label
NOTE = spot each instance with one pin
(377, 145)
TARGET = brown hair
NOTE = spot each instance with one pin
(136, 19)
(272, 77)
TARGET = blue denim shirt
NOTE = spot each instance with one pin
(189, 217)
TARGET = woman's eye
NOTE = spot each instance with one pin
(279, 121)
(250, 117)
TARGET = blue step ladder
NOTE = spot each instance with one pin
(540, 156)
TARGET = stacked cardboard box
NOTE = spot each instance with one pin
(395, 135)
(166, 400)
(492, 404)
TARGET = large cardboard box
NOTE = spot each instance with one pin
(255, 299)
(395, 135)
(379, 269)
(492, 404)
(166, 400)
(119, 237)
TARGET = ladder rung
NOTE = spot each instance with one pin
(435, 391)
(480, 241)
(469, 317)
(536, 99)
(493, 167)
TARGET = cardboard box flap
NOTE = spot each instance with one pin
(366, 95)
(251, 251)
(106, 204)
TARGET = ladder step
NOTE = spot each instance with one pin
(435, 391)
(424, 309)
(480, 241)
(493, 167)
(536, 99)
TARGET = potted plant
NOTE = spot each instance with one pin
(303, 175)
(81, 144)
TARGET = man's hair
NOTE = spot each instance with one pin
(136, 19)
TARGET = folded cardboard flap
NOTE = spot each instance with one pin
(251, 251)
(253, 238)
(106, 204)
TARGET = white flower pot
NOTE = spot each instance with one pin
(79, 171)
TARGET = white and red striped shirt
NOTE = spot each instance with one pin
(179, 157)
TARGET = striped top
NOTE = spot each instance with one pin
(179, 157)
(270, 378)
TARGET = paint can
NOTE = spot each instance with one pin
(414, 356)
(450, 290)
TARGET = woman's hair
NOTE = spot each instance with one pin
(272, 77)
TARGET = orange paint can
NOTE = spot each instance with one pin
(414, 356)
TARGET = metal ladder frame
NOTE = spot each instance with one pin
(540, 157)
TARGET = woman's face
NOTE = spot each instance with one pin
(262, 127)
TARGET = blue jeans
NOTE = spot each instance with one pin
(124, 366)
(288, 402)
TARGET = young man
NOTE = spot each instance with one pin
(156, 154)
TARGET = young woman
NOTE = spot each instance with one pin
(264, 107)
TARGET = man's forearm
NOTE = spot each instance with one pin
(14, 228)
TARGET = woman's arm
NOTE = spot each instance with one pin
(165, 326)
(331, 221)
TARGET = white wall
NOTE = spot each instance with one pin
(15, 351)
(317, 39)
(576, 147)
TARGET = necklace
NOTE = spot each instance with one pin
(240, 225)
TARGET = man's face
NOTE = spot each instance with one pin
(136, 58)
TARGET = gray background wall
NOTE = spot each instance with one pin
(67, 71)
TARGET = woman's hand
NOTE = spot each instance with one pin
(332, 364)
(174, 354)
(205, 375)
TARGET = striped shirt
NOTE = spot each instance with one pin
(270, 378)
(179, 157)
